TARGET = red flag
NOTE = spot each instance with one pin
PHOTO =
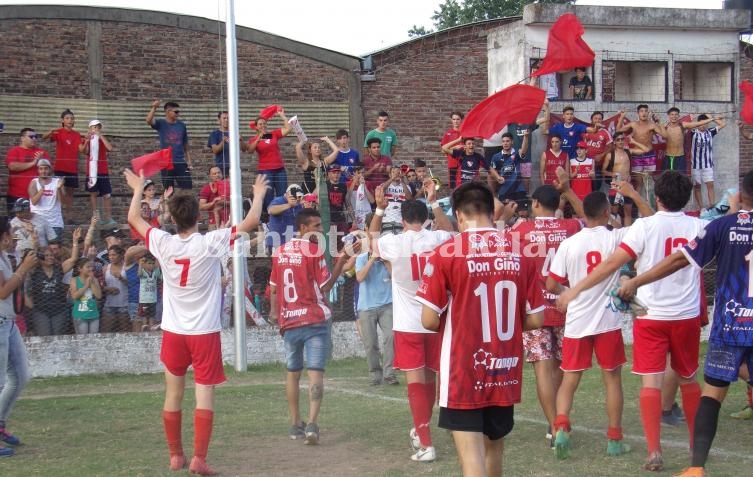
(565, 48)
(153, 162)
(269, 111)
(746, 114)
(518, 103)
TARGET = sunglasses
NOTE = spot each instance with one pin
(32, 136)
(175, 111)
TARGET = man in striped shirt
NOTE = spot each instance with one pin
(702, 168)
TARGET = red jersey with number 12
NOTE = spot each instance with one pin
(486, 290)
(299, 270)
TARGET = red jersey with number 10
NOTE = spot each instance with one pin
(486, 290)
(299, 270)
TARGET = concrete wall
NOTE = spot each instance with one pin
(135, 353)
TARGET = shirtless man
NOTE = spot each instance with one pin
(616, 167)
(642, 133)
(674, 133)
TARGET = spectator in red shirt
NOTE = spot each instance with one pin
(271, 164)
(213, 198)
(376, 166)
(21, 161)
(450, 135)
(67, 141)
(599, 142)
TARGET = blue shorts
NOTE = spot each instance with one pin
(70, 179)
(723, 362)
(102, 188)
(315, 340)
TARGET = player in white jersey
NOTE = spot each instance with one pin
(416, 349)
(593, 323)
(191, 265)
(672, 322)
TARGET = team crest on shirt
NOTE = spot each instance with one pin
(743, 218)
(428, 270)
(692, 244)
(477, 241)
(469, 163)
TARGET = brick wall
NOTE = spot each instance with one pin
(421, 82)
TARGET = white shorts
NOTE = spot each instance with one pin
(701, 176)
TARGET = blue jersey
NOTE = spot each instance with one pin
(730, 240)
(508, 166)
(570, 136)
(469, 165)
(349, 161)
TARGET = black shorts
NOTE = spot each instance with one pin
(147, 311)
(495, 422)
(102, 188)
(70, 179)
(179, 177)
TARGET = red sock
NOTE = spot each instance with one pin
(614, 433)
(202, 423)
(691, 398)
(172, 421)
(417, 402)
(430, 397)
(750, 396)
(561, 422)
(650, 402)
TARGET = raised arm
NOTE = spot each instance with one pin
(301, 157)
(136, 183)
(333, 147)
(447, 148)
(441, 221)
(251, 221)
(68, 263)
(152, 111)
(286, 127)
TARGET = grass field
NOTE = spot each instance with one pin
(111, 425)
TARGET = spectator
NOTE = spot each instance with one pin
(361, 199)
(548, 82)
(375, 309)
(702, 170)
(570, 131)
(96, 144)
(599, 141)
(417, 183)
(582, 171)
(45, 194)
(45, 292)
(173, 134)
(14, 364)
(581, 86)
(313, 160)
(388, 138)
(450, 135)
(643, 131)
(346, 157)
(470, 162)
(30, 230)
(216, 142)
(673, 132)
(85, 292)
(214, 198)
(504, 172)
(150, 280)
(376, 166)
(396, 191)
(521, 143)
(157, 205)
(113, 236)
(271, 164)
(282, 213)
(133, 255)
(22, 161)
(67, 141)
(551, 159)
(115, 312)
(338, 200)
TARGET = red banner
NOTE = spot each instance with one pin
(565, 49)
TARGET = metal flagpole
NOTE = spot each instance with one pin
(236, 193)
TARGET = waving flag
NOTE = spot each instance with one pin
(153, 162)
(518, 103)
(565, 48)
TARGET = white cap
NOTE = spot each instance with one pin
(95, 122)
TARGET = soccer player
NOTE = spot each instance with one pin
(191, 266)
(416, 348)
(593, 324)
(729, 240)
(299, 271)
(485, 290)
(672, 322)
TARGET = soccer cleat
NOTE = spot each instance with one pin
(312, 434)
(177, 462)
(8, 438)
(6, 452)
(392, 380)
(375, 382)
(562, 444)
(677, 412)
(615, 448)
(745, 414)
(668, 418)
(425, 455)
(200, 467)
(655, 462)
(415, 441)
(298, 431)
(691, 472)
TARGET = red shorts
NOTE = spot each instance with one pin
(203, 352)
(608, 347)
(653, 339)
(416, 350)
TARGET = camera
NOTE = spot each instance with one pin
(296, 192)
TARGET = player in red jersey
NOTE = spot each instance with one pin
(191, 266)
(480, 296)
(300, 273)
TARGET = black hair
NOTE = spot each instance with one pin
(567, 108)
(473, 198)
(383, 114)
(547, 196)
(419, 163)
(641, 106)
(171, 104)
(508, 135)
(304, 217)
(4, 224)
(24, 131)
(594, 204)
(702, 117)
(372, 140)
(414, 211)
(673, 189)
(457, 113)
(580, 68)
(219, 115)
(747, 187)
(597, 112)
(673, 110)
(341, 133)
(555, 135)
(66, 113)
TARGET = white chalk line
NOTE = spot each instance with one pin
(715, 451)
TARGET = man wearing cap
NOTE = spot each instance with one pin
(113, 236)
(173, 134)
(30, 231)
(282, 213)
(98, 184)
(21, 161)
(582, 171)
(45, 195)
(67, 141)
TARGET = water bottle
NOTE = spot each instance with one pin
(618, 198)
